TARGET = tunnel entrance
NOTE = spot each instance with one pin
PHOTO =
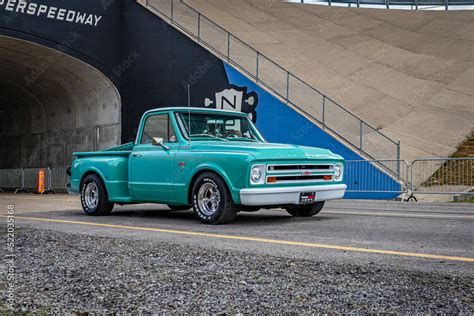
(52, 104)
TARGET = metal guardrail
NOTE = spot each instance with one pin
(442, 176)
(294, 91)
(413, 4)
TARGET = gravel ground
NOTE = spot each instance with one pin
(59, 272)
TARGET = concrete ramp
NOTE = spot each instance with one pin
(408, 73)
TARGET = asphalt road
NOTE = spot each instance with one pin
(413, 236)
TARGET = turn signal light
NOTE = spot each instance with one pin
(271, 180)
(327, 178)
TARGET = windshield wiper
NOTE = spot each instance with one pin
(244, 139)
(207, 135)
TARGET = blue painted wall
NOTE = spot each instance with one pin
(279, 123)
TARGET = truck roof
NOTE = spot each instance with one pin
(195, 110)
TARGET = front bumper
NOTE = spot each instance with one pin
(290, 195)
(70, 190)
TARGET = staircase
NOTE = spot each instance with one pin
(267, 73)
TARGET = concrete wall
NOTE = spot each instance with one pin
(51, 105)
(58, 73)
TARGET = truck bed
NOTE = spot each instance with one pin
(122, 150)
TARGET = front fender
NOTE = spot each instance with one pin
(233, 185)
(232, 168)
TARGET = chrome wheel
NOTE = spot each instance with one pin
(209, 198)
(91, 195)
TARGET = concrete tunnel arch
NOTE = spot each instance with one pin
(52, 104)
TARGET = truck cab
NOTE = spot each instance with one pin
(213, 161)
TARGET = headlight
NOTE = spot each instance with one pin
(257, 174)
(338, 172)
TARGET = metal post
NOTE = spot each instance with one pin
(329, 2)
(360, 130)
(358, 3)
(446, 5)
(256, 72)
(287, 86)
(324, 111)
(387, 3)
(228, 46)
(172, 10)
(416, 4)
(22, 188)
(398, 159)
(97, 137)
(199, 26)
(398, 150)
(49, 189)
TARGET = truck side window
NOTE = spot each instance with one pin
(158, 126)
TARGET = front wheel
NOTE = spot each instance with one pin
(305, 210)
(212, 202)
(94, 197)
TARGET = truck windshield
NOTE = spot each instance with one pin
(217, 127)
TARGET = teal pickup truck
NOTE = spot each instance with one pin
(213, 161)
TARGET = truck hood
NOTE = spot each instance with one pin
(268, 151)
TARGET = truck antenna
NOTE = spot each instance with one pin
(189, 115)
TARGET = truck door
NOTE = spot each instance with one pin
(152, 166)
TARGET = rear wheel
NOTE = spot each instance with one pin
(94, 197)
(305, 210)
(212, 202)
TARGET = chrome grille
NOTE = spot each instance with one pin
(299, 168)
(299, 173)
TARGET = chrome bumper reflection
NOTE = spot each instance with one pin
(290, 195)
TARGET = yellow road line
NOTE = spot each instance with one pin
(256, 239)
(418, 215)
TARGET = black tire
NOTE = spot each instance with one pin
(179, 207)
(305, 210)
(225, 209)
(102, 206)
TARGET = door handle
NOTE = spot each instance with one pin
(136, 155)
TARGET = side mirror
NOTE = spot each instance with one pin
(158, 141)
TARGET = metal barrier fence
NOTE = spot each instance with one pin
(442, 176)
(26, 180)
(57, 178)
(11, 178)
(269, 74)
(371, 177)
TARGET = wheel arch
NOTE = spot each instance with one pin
(97, 173)
(221, 174)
